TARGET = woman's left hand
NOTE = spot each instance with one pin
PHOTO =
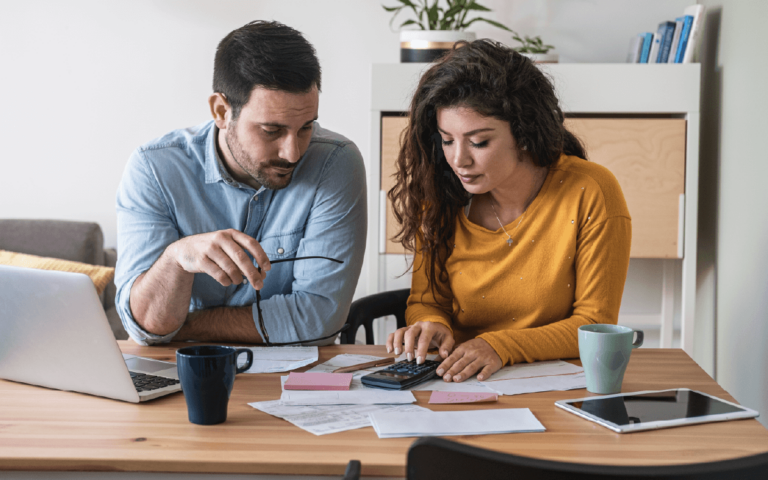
(469, 358)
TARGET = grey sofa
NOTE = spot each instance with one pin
(76, 241)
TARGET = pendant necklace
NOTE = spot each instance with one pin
(509, 237)
(510, 241)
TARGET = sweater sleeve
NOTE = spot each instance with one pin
(424, 305)
(601, 263)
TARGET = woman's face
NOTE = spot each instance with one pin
(481, 150)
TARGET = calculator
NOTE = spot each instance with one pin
(402, 375)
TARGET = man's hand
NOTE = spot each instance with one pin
(222, 255)
(420, 336)
(469, 358)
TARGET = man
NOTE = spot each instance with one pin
(202, 211)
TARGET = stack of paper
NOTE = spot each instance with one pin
(536, 377)
(279, 359)
(439, 424)
(324, 419)
(317, 381)
(354, 397)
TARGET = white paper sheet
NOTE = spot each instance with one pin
(352, 397)
(535, 369)
(361, 396)
(471, 422)
(325, 419)
(538, 384)
(279, 359)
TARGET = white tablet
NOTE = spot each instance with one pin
(632, 412)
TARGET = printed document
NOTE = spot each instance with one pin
(324, 419)
(279, 359)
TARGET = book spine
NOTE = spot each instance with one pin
(635, 46)
(646, 49)
(683, 39)
(697, 12)
(666, 42)
(675, 39)
(655, 44)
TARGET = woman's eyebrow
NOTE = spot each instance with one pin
(470, 133)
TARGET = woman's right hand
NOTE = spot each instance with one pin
(420, 337)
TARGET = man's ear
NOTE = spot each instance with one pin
(220, 110)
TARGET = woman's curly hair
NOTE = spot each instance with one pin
(495, 81)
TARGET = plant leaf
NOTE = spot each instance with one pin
(476, 6)
(432, 16)
(481, 19)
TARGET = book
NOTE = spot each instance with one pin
(668, 29)
(646, 48)
(675, 39)
(687, 21)
(635, 47)
(655, 45)
(697, 12)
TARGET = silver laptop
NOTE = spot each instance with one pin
(54, 333)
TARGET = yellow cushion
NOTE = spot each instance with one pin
(101, 276)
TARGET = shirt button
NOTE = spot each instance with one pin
(255, 198)
(280, 251)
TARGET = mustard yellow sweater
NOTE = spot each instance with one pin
(566, 268)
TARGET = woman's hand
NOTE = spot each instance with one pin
(469, 358)
(420, 336)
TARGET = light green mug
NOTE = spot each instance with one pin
(604, 351)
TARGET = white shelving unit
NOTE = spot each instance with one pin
(584, 89)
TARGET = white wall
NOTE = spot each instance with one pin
(86, 82)
(735, 104)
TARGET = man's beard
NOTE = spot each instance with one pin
(244, 161)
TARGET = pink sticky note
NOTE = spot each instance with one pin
(462, 397)
(318, 381)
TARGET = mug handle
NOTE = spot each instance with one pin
(248, 361)
(636, 343)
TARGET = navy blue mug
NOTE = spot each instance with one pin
(207, 374)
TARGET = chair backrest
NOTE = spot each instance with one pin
(436, 458)
(364, 311)
(76, 241)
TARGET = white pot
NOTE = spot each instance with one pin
(427, 45)
(542, 57)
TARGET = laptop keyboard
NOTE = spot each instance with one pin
(145, 383)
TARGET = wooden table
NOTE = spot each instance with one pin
(49, 430)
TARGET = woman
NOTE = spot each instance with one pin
(517, 239)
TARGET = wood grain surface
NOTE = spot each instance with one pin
(42, 429)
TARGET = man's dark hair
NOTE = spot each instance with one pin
(263, 54)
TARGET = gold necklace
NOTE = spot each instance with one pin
(509, 237)
(510, 241)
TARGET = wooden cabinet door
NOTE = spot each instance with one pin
(391, 130)
(647, 156)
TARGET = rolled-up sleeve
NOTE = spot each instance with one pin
(145, 227)
(337, 225)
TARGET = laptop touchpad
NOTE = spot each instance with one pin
(143, 365)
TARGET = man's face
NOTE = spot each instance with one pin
(270, 135)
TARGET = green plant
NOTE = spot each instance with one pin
(434, 16)
(530, 44)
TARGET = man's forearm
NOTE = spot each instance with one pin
(221, 324)
(160, 296)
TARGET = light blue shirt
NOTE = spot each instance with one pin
(176, 186)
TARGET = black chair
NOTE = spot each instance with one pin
(432, 458)
(364, 311)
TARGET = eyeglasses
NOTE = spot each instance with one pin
(261, 318)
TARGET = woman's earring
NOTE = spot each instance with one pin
(524, 147)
